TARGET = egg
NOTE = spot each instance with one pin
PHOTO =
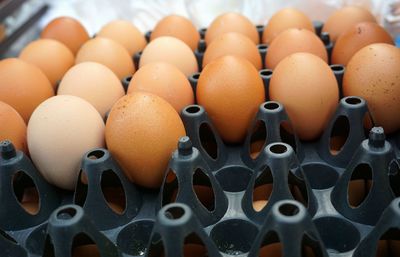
(293, 41)
(86, 250)
(165, 80)
(142, 131)
(307, 87)
(356, 192)
(394, 247)
(170, 50)
(271, 250)
(61, 130)
(194, 250)
(285, 19)
(231, 22)
(259, 205)
(23, 86)
(68, 31)
(343, 19)
(231, 91)
(382, 248)
(51, 56)
(93, 82)
(358, 36)
(13, 127)
(179, 27)
(233, 43)
(107, 52)
(373, 73)
(125, 33)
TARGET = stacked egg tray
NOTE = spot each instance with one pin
(320, 198)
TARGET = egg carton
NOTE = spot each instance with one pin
(205, 206)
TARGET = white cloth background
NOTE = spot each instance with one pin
(145, 13)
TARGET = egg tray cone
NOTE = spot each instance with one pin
(334, 196)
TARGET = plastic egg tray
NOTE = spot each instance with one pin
(331, 197)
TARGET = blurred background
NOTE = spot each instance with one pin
(21, 20)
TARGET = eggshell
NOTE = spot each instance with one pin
(233, 43)
(343, 19)
(194, 250)
(30, 200)
(231, 22)
(68, 31)
(165, 80)
(61, 130)
(170, 50)
(12, 127)
(307, 87)
(179, 27)
(382, 249)
(107, 52)
(358, 36)
(125, 33)
(356, 192)
(293, 41)
(51, 56)
(373, 73)
(394, 246)
(23, 86)
(285, 19)
(271, 250)
(259, 205)
(86, 251)
(142, 131)
(93, 82)
(231, 91)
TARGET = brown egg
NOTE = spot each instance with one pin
(194, 250)
(170, 50)
(142, 131)
(373, 73)
(342, 20)
(357, 191)
(125, 33)
(285, 19)
(13, 127)
(165, 80)
(68, 31)
(394, 247)
(382, 249)
(293, 41)
(263, 192)
(271, 250)
(259, 205)
(358, 36)
(233, 43)
(107, 52)
(30, 200)
(255, 148)
(179, 27)
(51, 56)
(90, 250)
(231, 91)
(306, 86)
(115, 197)
(93, 82)
(23, 86)
(231, 22)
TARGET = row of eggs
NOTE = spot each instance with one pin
(143, 127)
